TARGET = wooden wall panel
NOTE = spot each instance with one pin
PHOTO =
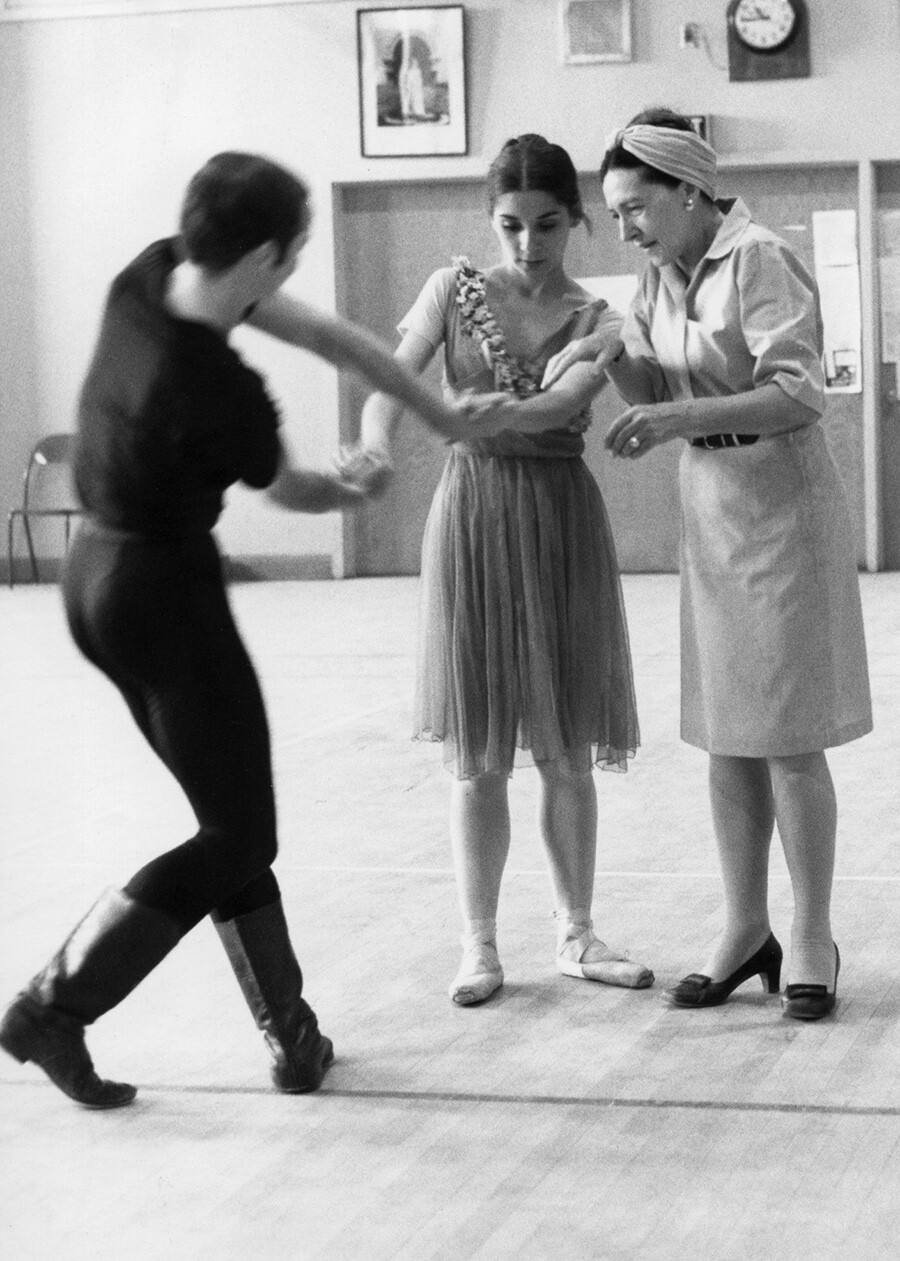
(784, 199)
(889, 199)
(390, 237)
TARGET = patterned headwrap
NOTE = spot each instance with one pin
(681, 154)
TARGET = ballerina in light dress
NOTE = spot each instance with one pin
(523, 652)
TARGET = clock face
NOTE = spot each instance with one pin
(764, 25)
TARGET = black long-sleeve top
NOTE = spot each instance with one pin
(169, 414)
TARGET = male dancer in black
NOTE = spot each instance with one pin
(169, 417)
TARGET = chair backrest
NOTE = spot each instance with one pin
(52, 449)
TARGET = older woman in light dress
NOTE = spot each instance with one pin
(724, 351)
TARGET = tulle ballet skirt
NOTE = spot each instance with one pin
(523, 646)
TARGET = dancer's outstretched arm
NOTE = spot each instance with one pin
(307, 490)
(382, 412)
(564, 402)
(347, 345)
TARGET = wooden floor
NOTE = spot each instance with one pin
(563, 1120)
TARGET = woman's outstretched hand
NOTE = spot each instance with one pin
(482, 415)
(599, 348)
(306, 490)
(644, 427)
(369, 468)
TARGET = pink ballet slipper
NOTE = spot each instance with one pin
(581, 954)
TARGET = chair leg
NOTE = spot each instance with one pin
(9, 545)
(34, 565)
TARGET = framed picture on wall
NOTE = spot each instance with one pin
(595, 30)
(412, 81)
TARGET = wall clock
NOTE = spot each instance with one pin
(768, 39)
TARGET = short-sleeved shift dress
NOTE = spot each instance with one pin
(523, 652)
(773, 655)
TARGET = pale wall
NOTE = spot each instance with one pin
(103, 120)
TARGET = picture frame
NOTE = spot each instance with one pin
(412, 81)
(595, 31)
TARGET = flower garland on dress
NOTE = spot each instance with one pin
(479, 323)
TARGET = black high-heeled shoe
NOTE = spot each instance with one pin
(811, 1002)
(698, 990)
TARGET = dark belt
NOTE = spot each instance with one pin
(715, 440)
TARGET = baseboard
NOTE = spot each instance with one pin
(49, 570)
(261, 568)
(269, 568)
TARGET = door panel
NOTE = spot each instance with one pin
(889, 401)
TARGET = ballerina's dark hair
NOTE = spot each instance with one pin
(530, 163)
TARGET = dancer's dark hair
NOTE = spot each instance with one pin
(238, 201)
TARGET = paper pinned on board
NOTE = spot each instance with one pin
(837, 275)
(889, 288)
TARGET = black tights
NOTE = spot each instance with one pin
(154, 617)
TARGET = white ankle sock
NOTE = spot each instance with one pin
(571, 923)
(479, 932)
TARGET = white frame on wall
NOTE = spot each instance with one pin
(592, 31)
(442, 128)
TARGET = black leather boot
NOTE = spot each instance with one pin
(114, 947)
(260, 952)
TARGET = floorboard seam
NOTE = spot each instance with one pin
(565, 1101)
